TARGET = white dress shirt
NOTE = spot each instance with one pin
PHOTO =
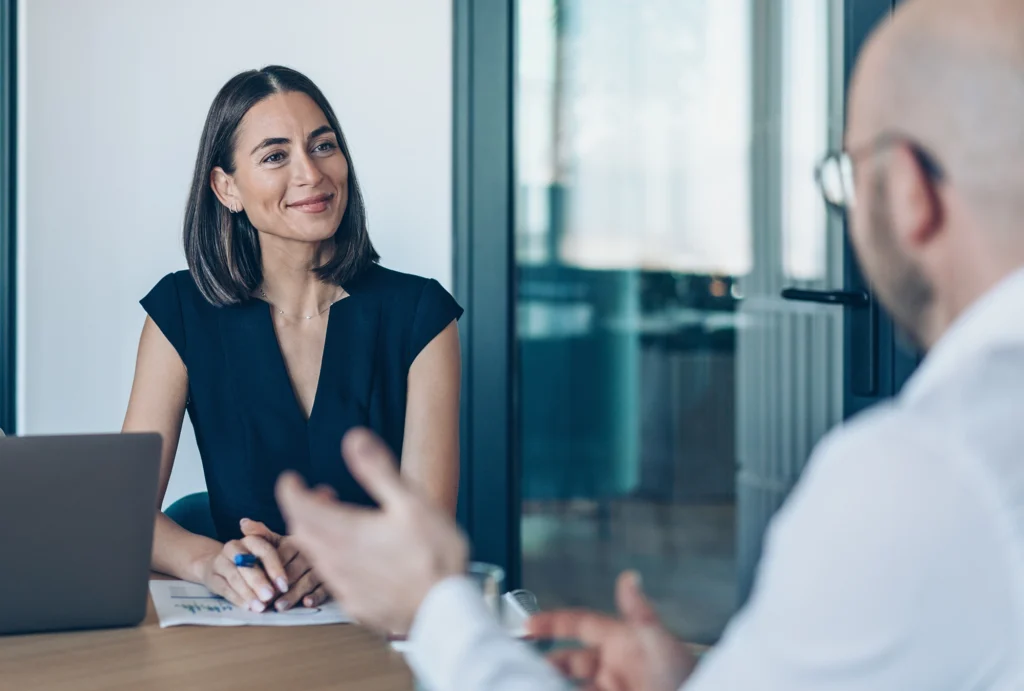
(897, 564)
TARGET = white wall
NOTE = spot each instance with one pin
(113, 95)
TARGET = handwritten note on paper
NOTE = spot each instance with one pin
(179, 603)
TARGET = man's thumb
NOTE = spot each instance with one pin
(293, 497)
(373, 465)
(632, 602)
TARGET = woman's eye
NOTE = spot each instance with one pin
(275, 157)
(323, 147)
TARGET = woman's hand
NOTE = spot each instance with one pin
(303, 585)
(254, 588)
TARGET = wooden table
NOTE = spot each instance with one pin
(202, 658)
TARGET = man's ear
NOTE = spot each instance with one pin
(913, 203)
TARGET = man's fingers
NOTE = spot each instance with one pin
(576, 664)
(300, 505)
(325, 492)
(373, 465)
(310, 515)
(292, 496)
(632, 603)
(572, 624)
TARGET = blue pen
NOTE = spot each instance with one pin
(247, 561)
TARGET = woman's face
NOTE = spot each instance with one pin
(290, 178)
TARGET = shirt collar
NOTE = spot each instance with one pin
(994, 319)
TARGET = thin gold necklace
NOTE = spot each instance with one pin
(263, 294)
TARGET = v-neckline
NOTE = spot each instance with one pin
(283, 365)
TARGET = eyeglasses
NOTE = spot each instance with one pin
(835, 172)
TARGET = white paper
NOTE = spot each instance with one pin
(180, 603)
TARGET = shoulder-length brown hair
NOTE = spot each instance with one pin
(222, 249)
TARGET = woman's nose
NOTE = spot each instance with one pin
(306, 170)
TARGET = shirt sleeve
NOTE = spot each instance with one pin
(455, 643)
(435, 310)
(163, 305)
(884, 571)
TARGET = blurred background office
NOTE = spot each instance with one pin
(664, 197)
(617, 191)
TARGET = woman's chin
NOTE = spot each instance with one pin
(309, 232)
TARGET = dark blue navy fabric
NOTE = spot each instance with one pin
(248, 423)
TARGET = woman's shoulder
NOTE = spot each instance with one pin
(179, 287)
(389, 285)
(180, 281)
(408, 301)
(414, 309)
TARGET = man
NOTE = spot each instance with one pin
(898, 563)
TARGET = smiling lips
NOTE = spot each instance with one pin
(313, 205)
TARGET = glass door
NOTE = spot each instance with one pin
(664, 196)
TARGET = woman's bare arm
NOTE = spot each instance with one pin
(157, 404)
(430, 450)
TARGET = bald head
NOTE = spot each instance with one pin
(950, 74)
(943, 80)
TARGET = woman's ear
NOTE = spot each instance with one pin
(223, 185)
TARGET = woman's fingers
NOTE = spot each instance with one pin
(316, 598)
(250, 582)
(224, 567)
(301, 587)
(284, 579)
(259, 529)
(287, 550)
(218, 585)
(297, 568)
(273, 567)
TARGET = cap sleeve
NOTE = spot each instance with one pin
(435, 310)
(163, 305)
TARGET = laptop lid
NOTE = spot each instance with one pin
(77, 516)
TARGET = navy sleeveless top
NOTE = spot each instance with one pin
(248, 422)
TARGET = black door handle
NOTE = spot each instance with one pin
(846, 298)
(860, 325)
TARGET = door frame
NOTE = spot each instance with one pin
(484, 276)
(8, 213)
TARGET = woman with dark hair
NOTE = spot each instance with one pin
(283, 334)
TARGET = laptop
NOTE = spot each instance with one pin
(76, 530)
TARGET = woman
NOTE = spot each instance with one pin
(283, 334)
